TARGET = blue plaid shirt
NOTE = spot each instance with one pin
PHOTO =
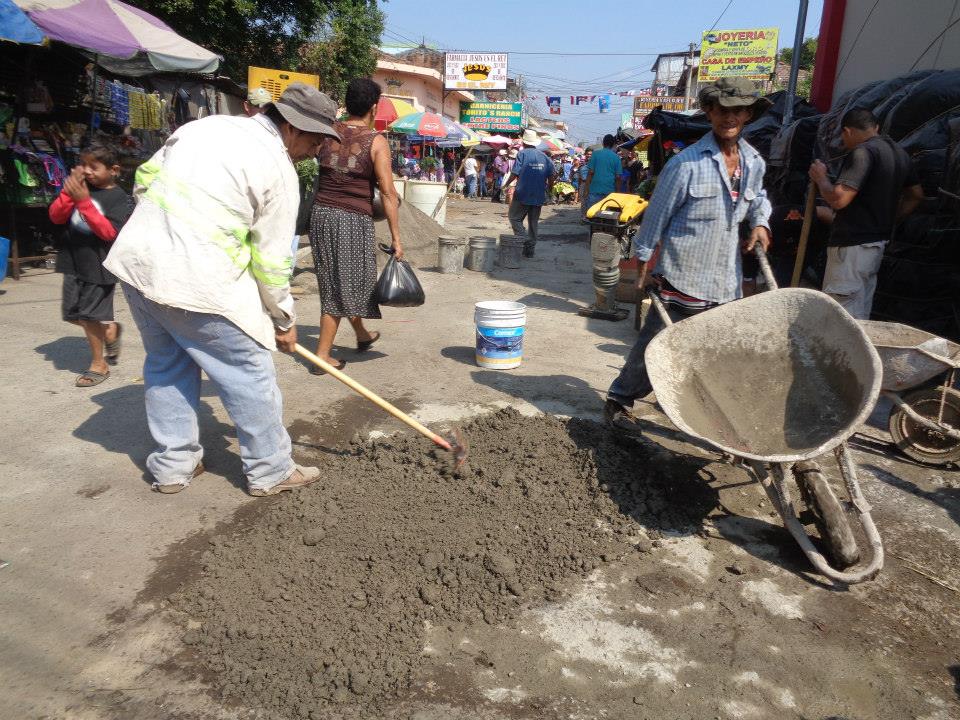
(695, 218)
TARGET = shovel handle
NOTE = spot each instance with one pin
(371, 396)
(765, 266)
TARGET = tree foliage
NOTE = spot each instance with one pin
(344, 46)
(808, 53)
(266, 33)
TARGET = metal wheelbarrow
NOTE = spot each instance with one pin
(925, 421)
(777, 380)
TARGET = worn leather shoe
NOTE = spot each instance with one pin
(300, 477)
(619, 418)
(172, 488)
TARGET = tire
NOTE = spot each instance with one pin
(920, 443)
(828, 514)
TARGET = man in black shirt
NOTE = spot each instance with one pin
(877, 186)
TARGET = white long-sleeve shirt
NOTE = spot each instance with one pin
(217, 207)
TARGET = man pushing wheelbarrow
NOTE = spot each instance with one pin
(702, 196)
(776, 380)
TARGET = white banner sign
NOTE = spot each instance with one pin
(475, 71)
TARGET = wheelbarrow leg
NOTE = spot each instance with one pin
(774, 482)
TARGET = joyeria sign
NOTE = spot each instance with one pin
(475, 71)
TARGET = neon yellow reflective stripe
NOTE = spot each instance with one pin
(147, 173)
(203, 212)
(269, 271)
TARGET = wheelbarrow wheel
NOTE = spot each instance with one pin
(828, 514)
(921, 443)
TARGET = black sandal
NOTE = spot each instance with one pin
(317, 370)
(364, 345)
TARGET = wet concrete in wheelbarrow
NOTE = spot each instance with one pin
(563, 573)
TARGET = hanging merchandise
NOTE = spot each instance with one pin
(120, 103)
(138, 110)
(554, 104)
(153, 112)
(603, 103)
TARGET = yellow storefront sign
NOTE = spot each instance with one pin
(738, 53)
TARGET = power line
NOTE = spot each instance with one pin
(932, 43)
(720, 16)
(857, 39)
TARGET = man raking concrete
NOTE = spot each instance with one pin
(205, 263)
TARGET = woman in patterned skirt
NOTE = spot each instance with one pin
(341, 221)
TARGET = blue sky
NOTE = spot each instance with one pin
(587, 26)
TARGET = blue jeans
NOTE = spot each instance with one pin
(181, 343)
(633, 382)
(470, 189)
(483, 186)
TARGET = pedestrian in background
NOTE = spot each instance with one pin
(533, 173)
(602, 171)
(500, 169)
(877, 186)
(470, 170)
(341, 226)
(481, 177)
(582, 174)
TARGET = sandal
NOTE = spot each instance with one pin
(112, 349)
(91, 378)
(364, 345)
(316, 370)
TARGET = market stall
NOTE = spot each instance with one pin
(107, 73)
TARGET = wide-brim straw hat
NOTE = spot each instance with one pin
(530, 138)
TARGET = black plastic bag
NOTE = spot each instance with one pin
(398, 286)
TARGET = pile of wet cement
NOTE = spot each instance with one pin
(327, 598)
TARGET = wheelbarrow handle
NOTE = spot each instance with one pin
(659, 306)
(765, 266)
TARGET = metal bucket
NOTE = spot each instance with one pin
(511, 250)
(450, 254)
(483, 254)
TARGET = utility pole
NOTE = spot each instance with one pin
(795, 62)
(687, 94)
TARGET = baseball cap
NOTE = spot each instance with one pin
(259, 96)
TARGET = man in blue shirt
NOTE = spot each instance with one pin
(533, 172)
(602, 172)
(702, 196)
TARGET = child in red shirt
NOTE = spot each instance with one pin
(94, 209)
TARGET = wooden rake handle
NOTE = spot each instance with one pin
(371, 396)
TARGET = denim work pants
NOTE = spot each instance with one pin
(470, 186)
(633, 383)
(516, 214)
(181, 343)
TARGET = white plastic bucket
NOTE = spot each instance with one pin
(425, 195)
(500, 328)
(483, 254)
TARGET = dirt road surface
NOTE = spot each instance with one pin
(563, 574)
